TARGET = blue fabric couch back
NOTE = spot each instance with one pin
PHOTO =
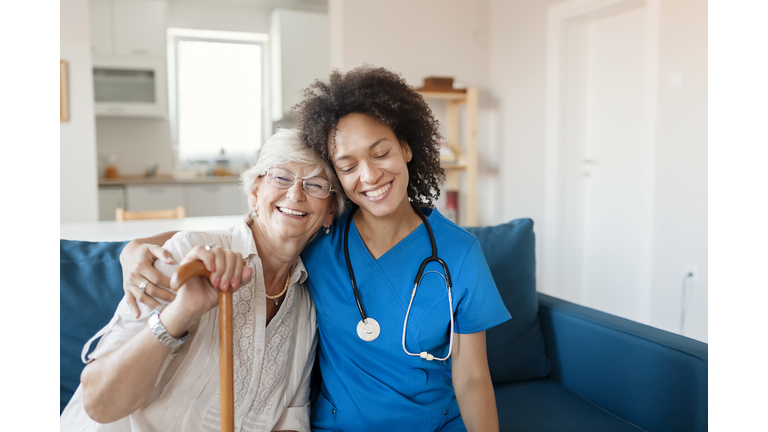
(516, 349)
(91, 287)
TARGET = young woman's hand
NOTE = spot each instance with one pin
(137, 259)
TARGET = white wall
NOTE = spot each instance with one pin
(77, 137)
(415, 38)
(517, 75)
(681, 167)
(137, 143)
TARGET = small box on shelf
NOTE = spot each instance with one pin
(440, 85)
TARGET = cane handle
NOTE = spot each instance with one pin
(186, 272)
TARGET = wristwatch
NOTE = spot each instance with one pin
(160, 331)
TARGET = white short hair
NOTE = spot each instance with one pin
(283, 148)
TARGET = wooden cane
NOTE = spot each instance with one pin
(226, 378)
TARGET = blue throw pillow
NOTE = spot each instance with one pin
(91, 287)
(516, 348)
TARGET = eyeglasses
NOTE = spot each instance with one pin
(316, 187)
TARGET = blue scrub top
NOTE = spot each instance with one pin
(375, 385)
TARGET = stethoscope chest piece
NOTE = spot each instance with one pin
(368, 331)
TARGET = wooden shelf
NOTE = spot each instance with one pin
(468, 156)
(448, 166)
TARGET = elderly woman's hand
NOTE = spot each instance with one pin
(199, 295)
(228, 272)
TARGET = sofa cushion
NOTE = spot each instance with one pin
(546, 406)
(516, 348)
(91, 287)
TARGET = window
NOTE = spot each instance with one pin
(218, 100)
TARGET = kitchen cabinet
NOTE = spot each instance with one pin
(128, 28)
(128, 42)
(101, 27)
(215, 200)
(110, 198)
(140, 28)
(130, 87)
(300, 54)
(154, 197)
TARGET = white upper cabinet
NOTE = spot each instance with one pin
(300, 54)
(101, 27)
(128, 42)
(128, 28)
(130, 87)
(140, 27)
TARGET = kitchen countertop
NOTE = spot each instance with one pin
(167, 179)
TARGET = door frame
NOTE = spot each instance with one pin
(566, 49)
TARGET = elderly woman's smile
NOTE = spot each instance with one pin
(291, 212)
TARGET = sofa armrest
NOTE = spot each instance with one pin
(652, 378)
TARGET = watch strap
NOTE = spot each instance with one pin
(159, 330)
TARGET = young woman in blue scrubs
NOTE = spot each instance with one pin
(381, 138)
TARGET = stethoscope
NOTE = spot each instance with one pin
(368, 329)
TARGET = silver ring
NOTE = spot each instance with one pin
(143, 286)
(209, 246)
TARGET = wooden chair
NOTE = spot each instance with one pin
(122, 215)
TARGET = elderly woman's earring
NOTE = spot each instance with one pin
(255, 213)
(328, 229)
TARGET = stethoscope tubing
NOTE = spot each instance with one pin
(417, 281)
(349, 266)
(424, 354)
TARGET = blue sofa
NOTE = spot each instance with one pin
(556, 366)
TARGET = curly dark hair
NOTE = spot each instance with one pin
(384, 96)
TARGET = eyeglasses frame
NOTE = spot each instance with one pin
(303, 182)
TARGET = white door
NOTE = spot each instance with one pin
(618, 169)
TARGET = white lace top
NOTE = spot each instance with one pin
(272, 362)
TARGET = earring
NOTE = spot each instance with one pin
(328, 229)
(255, 213)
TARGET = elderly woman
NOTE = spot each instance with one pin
(158, 371)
